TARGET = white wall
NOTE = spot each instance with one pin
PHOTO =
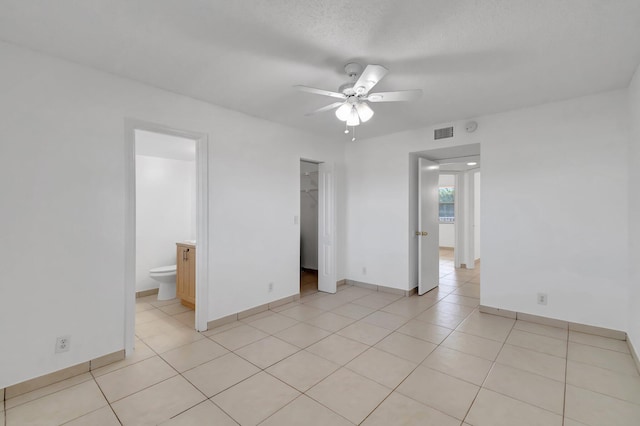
(309, 215)
(62, 217)
(477, 208)
(447, 235)
(634, 212)
(165, 209)
(565, 154)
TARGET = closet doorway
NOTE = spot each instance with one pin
(308, 227)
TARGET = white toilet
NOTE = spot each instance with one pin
(166, 276)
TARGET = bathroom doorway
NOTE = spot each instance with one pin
(166, 229)
(308, 227)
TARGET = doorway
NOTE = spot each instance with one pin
(457, 196)
(171, 167)
(446, 222)
(308, 227)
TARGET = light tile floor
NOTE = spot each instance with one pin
(356, 357)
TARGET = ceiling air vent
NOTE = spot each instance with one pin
(445, 132)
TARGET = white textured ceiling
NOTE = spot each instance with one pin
(469, 57)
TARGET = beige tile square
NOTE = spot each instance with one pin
(159, 303)
(222, 328)
(349, 394)
(101, 417)
(330, 321)
(425, 331)
(397, 409)
(457, 364)
(472, 302)
(302, 335)
(473, 345)
(353, 311)
(440, 318)
(220, 373)
(534, 362)
(157, 403)
(193, 354)
(377, 300)
(205, 413)
(381, 367)
(140, 353)
(305, 411)
(409, 307)
(468, 290)
(302, 312)
(187, 318)
(438, 390)
(445, 307)
(58, 407)
(255, 399)
(537, 342)
(238, 337)
(599, 341)
(337, 349)
(594, 409)
(364, 332)
(544, 330)
(46, 390)
(604, 358)
(527, 387)
(488, 326)
(406, 347)
(322, 301)
(302, 370)
(267, 351)
(175, 308)
(120, 383)
(143, 306)
(171, 339)
(385, 320)
(149, 315)
(273, 323)
(612, 383)
(491, 408)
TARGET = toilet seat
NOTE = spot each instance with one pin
(163, 270)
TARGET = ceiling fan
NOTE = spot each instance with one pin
(353, 107)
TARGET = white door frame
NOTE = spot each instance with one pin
(202, 224)
(327, 227)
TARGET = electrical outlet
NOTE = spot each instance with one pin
(542, 298)
(63, 344)
(270, 287)
(364, 270)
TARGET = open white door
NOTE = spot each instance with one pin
(326, 228)
(428, 226)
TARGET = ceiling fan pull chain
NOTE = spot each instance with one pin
(346, 128)
(353, 139)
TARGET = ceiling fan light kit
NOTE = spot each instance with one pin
(354, 107)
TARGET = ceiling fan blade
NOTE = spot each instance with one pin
(371, 76)
(320, 92)
(326, 108)
(398, 96)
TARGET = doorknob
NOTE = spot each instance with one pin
(418, 233)
(424, 234)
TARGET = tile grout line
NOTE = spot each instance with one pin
(493, 363)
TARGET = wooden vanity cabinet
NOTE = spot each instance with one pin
(186, 274)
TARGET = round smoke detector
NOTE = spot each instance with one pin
(471, 126)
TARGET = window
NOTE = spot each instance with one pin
(446, 210)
